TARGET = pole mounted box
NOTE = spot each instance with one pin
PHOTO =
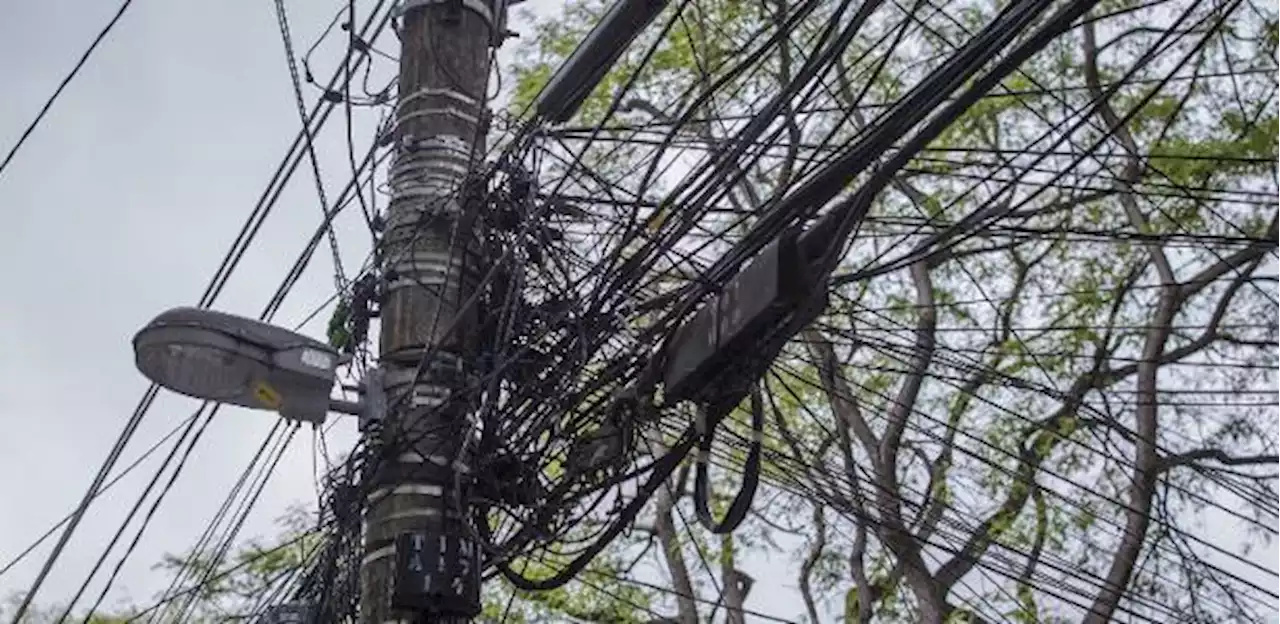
(436, 573)
(763, 294)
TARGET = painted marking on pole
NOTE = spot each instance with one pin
(381, 553)
(417, 512)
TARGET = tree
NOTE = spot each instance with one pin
(50, 614)
(1030, 423)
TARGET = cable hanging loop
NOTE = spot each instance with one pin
(750, 472)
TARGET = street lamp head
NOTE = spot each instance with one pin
(231, 359)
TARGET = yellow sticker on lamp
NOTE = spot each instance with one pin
(267, 395)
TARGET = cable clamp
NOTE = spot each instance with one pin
(475, 6)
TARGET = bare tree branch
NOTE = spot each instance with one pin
(1026, 595)
(736, 583)
(1211, 332)
(816, 550)
(925, 340)
(1146, 458)
(1233, 262)
(839, 394)
(1047, 435)
(893, 531)
(867, 598)
(1133, 167)
(672, 551)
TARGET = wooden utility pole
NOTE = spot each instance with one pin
(420, 563)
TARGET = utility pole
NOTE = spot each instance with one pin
(420, 564)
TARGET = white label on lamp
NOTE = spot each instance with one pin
(317, 359)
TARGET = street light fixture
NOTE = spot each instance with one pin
(226, 358)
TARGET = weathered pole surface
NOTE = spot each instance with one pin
(419, 564)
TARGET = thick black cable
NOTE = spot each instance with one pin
(105, 487)
(180, 576)
(146, 491)
(44, 110)
(751, 473)
(228, 540)
(130, 428)
(965, 228)
(974, 49)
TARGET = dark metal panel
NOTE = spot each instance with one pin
(732, 324)
(436, 573)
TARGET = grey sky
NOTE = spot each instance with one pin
(121, 205)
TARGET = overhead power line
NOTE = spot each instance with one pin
(44, 110)
(288, 165)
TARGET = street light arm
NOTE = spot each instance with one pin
(350, 408)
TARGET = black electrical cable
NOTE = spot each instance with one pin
(94, 488)
(999, 451)
(1088, 118)
(296, 270)
(228, 539)
(772, 222)
(166, 599)
(741, 503)
(282, 19)
(146, 521)
(964, 229)
(620, 289)
(319, 114)
(196, 552)
(1001, 32)
(369, 214)
(846, 217)
(106, 486)
(44, 110)
(146, 491)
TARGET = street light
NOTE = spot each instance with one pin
(231, 359)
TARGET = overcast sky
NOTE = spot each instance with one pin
(120, 205)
